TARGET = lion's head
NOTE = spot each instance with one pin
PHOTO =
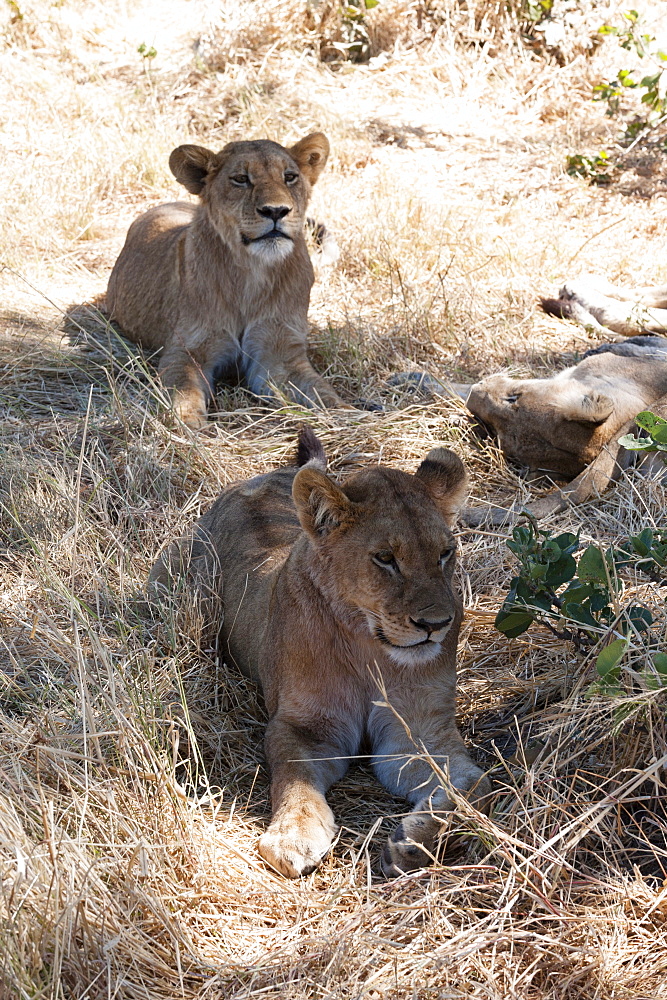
(385, 552)
(552, 425)
(255, 193)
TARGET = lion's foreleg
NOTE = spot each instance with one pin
(189, 385)
(277, 357)
(303, 767)
(628, 312)
(421, 766)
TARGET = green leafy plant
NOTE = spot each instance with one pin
(655, 434)
(576, 600)
(147, 52)
(632, 38)
(647, 551)
(652, 87)
(609, 663)
(536, 10)
(596, 168)
(355, 41)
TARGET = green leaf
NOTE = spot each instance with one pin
(522, 535)
(567, 542)
(592, 565)
(540, 601)
(513, 623)
(640, 617)
(561, 571)
(650, 81)
(632, 443)
(610, 656)
(648, 421)
(626, 79)
(610, 690)
(599, 601)
(551, 550)
(643, 542)
(577, 592)
(660, 662)
(580, 614)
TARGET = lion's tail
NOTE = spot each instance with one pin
(309, 449)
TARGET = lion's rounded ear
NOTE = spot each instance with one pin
(311, 154)
(190, 165)
(586, 407)
(444, 476)
(320, 505)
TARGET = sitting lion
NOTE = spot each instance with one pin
(568, 425)
(596, 303)
(226, 283)
(341, 601)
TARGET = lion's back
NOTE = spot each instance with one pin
(143, 291)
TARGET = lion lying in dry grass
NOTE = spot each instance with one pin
(597, 303)
(568, 425)
(335, 599)
(226, 283)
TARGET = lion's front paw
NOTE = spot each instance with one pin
(194, 419)
(294, 852)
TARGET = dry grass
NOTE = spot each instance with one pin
(132, 784)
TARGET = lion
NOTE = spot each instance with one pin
(225, 284)
(597, 303)
(341, 602)
(568, 426)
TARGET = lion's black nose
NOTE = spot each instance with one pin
(275, 212)
(431, 626)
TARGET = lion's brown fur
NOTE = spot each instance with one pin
(335, 597)
(226, 283)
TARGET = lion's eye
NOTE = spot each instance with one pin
(291, 178)
(240, 180)
(385, 560)
(512, 399)
(445, 557)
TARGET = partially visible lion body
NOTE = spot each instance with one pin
(226, 283)
(326, 590)
(568, 425)
(596, 303)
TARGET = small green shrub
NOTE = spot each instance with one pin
(596, 169)
(632, 38)
(577, 600)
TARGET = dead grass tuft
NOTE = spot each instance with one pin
(132, 786)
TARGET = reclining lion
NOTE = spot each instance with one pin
(568, 426)
(341, 601)
(226, 283)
